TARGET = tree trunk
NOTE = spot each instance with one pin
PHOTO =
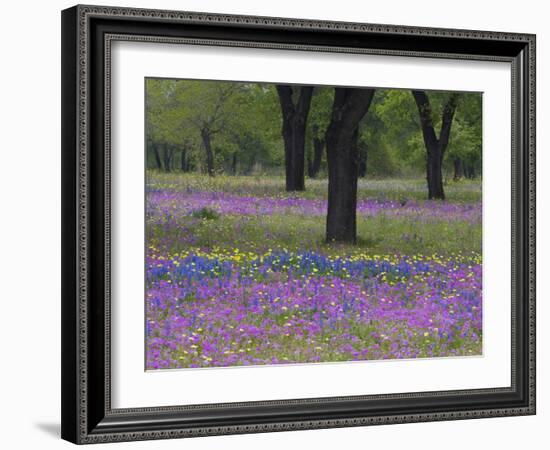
(234, 163)
(469, 171)
(458, 172)
(168, 152)
(157, 155)
(318, 147)
(362, 161)
(207, 143)
(183, 162)
(294, 133)
(435, 174)
(171, 158)
(435, 147)
(349, 107)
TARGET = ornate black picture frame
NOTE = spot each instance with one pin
(87, 34)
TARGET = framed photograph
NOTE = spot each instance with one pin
(281, 224)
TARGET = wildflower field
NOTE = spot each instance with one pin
(238, 273)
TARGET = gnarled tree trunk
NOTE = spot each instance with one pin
(294, 132)
(435, 147)
(207, 144)
(349, 107)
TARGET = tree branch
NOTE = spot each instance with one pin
(304, 101)
(285, 97)
(426, 122)
(447, 120)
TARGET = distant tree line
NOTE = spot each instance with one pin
(341, 133)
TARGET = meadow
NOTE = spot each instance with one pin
(238, 273)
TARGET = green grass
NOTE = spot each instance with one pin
(377, 235)
(381, 189)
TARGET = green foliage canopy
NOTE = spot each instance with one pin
(244, 122)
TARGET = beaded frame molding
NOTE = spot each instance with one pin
(87, 34)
